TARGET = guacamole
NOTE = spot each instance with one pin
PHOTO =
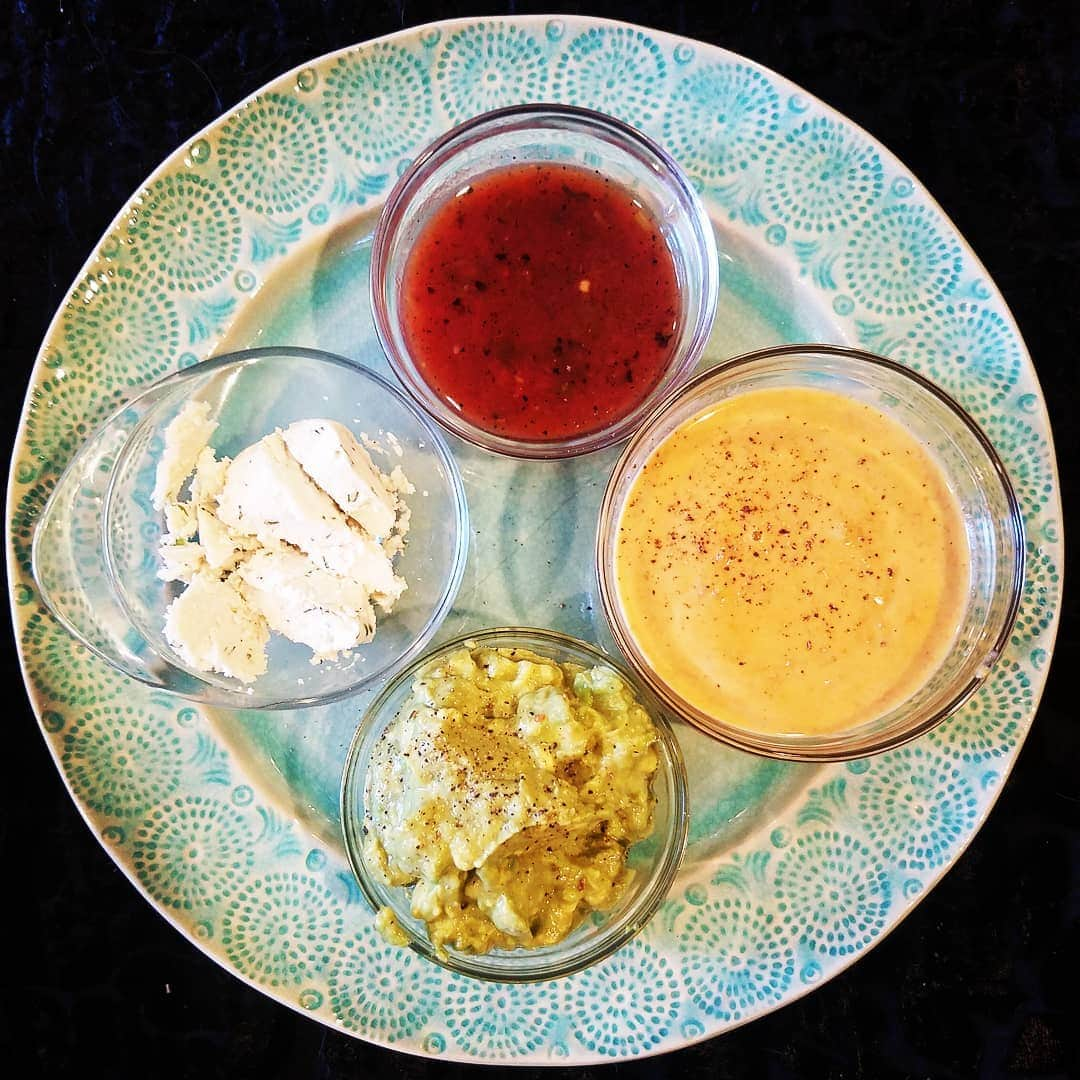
(506, 792)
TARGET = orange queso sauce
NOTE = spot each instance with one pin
(792, 561)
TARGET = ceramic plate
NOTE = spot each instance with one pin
(257, 232)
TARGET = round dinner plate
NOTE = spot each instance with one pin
(257, 232)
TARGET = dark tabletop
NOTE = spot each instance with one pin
(982, 102)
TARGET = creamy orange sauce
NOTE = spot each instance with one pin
(792, 561)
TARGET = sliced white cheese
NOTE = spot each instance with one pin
(329, 453)
(306, 603)
(185, 438)
(269, 496)
(213, 628)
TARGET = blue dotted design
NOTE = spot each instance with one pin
(121, 761)
(63, 411)
(775, 235)
(736, 958)
(823, 176)
(968, 348)
(120, 329)
(901, 261)
(696, 894)
(627, 1005)
(497, 1020)
(720, 120)
(916, 807)
(379, 103)
(988, 726)
(59, 667)
(282, 929)
(187, 717)
(615, 70)
(1039, 601)
(912, 887)
(380, 990)
(487, 66)
(185, 232)
(193, 851)
(834, 891)
(1027, 457)
(273, 154)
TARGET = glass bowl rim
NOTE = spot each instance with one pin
(654, 890)
(237, 358)
(825, 748)
(396, 205)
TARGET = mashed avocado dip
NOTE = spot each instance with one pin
(506, 792)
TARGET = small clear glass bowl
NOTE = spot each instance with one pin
(565, 135)
(975, 475)
(655, 860)
(95, 547)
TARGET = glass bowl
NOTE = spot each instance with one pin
(95, 548)
(561, 134)
(655, 860)
(974, 474)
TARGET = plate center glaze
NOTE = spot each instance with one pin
(532, 530)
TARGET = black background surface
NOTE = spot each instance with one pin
(981, 101)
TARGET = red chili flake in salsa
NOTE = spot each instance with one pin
(541, 302)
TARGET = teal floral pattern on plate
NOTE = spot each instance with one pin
(385, 994)
(187, 801)
(193, 851)
(379, 103)
(720, 120)
(488, 66)
(120, 328)
(614, 69)
(823, 177)
(737, 956)
(972, 347)
(272, 154)
(185, 232)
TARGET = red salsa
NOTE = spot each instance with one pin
(541, 302)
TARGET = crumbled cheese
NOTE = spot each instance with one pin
(297, 535)
(180, 520)
(209, 478)
(180, 561)
(223, 548)
(213, 628)
(185, 438)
